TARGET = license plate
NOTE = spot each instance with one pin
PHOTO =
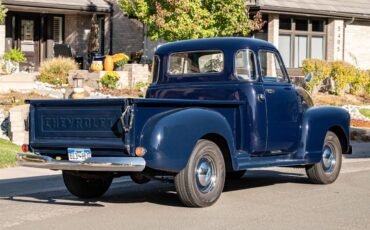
(78, 154)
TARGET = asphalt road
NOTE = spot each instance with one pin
(269, 198)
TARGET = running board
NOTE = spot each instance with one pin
(259, 162)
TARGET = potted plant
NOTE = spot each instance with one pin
(119, 60)
(12, 60)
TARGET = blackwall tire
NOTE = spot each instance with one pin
(86, 188)
(201, 183)
(327, 170)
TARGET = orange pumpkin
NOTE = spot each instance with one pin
(108, 63)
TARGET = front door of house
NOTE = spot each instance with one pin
(28, 39)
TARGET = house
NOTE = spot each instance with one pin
(322, 29)
(34, 26)
(301, 29)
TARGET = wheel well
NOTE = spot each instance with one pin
(342, 137)
(224, 147)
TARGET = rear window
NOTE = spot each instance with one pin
(198, 62)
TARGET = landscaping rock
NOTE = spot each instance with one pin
(4, 124)
(355, 113)
(46, 89)
(18, 116)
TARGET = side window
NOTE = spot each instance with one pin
(155, 70)
(271, 67)
(245, 65)
(200, 62)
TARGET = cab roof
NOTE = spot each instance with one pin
(226, 43)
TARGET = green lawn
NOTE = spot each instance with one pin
(8, 152)
(365, 112)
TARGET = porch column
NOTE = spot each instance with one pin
(49, 37)
(335, 40)
(273, 29)
(2, 40)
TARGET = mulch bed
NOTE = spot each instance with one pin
(360, 123)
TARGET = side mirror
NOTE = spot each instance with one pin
(308, 77)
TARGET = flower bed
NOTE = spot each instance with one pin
(360, 123)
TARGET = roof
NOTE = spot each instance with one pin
(81, 5)
(228, 43)
(350, 8)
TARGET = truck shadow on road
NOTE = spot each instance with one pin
(51, 190)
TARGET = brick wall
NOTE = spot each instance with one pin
(357, 44)
(128, 33)
(77, 29)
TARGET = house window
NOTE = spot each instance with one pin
(58, 30)
(301, 38)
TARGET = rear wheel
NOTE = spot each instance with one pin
(327, 170)
(201, 183)
(86, 186)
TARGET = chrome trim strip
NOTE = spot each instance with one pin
(98, 164)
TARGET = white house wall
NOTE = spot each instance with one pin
(357, 44)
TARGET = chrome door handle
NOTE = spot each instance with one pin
(270, 91)
(261, 97)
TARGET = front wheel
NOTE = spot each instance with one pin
(201, 183)
(86, 186)
(327, 170)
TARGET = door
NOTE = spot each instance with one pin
(254, 131)
(281, 104)
(28, 39)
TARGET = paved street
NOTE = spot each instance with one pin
(277, 198)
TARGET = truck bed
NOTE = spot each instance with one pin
(56, 125)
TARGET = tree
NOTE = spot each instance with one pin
(189, 19)
(3, 12)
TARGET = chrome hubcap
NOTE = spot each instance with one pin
(205, 174)
(328, 159)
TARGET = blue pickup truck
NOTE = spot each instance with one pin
(214, 108)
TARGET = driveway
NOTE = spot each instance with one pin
(267, 198)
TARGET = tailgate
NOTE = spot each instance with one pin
(77, 123)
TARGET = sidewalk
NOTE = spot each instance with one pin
(24, 172)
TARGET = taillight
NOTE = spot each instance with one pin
(140, 151)
(25, 148)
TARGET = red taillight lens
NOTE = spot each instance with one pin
(25, 148)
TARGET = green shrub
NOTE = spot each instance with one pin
(141, 84)
(343, 74)
(110, 80)
(361, 82)
(55, 71)
(319, 69)
(15, 55)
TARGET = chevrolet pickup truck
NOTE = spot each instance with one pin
(214, 108)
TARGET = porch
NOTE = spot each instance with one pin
(35, 26)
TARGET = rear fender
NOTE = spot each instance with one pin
(317, 121)
(171, 136)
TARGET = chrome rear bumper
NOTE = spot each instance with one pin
(98, 164)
